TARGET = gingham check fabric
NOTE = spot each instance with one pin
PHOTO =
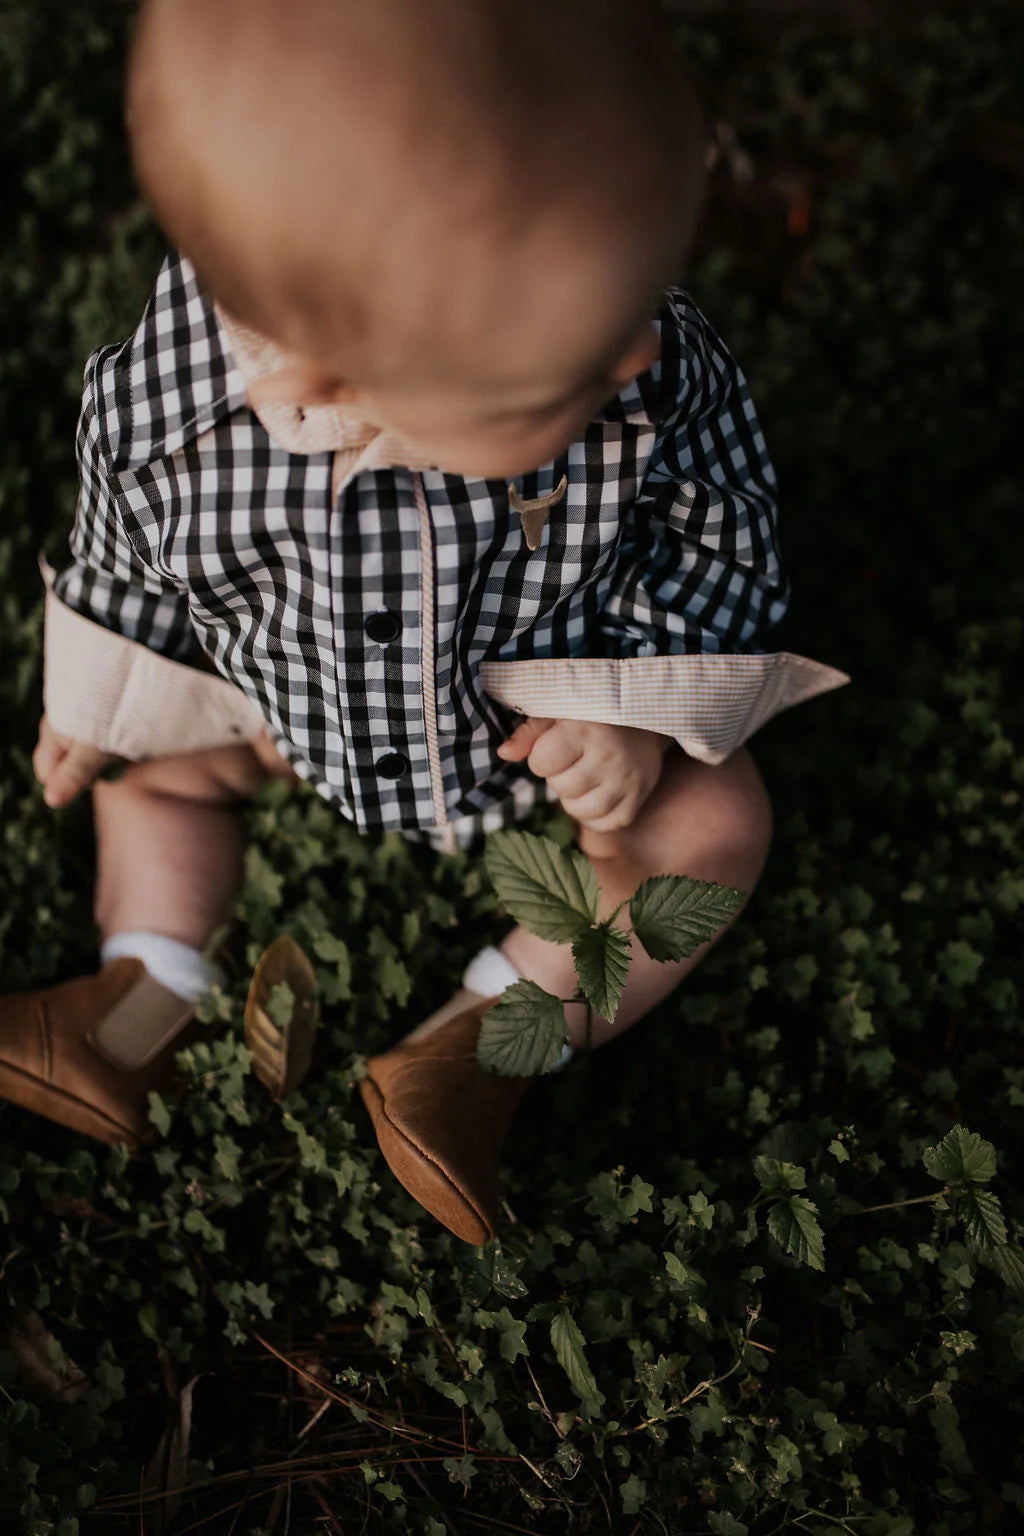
(201, 537)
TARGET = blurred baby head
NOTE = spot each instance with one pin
(457, 214)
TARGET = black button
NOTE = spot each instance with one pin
(383, 626)
(392, 765)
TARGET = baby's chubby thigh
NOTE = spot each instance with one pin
(713, 822)
(170, 841)
(709, 822)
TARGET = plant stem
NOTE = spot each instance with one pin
(897, 1205)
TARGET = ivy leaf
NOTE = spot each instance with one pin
(492, 1269)
(602, 964)
(523, 1034)
(960, 1155)
(673, 915)
(774, 1174)
(678, 1271)
(568, 1344)
(724, 1524)
(513, 1335)
(794, 1225)
(633, 1494)
(983, 1218)
(550, 890)
(281, 1016)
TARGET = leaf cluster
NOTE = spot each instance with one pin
(553, 892)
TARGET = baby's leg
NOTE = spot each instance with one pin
(169, 840)
(711, 823)
(439, 1119)
(89, 1052)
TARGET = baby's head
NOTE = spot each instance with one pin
(457, 214)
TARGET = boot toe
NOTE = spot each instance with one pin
(440, 1122)
(471, 1214)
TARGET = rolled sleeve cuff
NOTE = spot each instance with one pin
(710, 704)
(115, 694)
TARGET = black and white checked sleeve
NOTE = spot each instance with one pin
(699, 568)
(108, 581)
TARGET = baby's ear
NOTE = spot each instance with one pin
(642, 353)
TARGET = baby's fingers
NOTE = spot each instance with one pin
(74, 772)
(596, 806)
(50, 748)
(523, 739)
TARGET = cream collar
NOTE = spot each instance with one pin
(357, 444)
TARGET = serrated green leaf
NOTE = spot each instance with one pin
(568, 1344)
(1008, 1263)
(983, 1218)
(552, 891)
(523, 1034)
(773, 1173)
(673, 915)
(794, 1225)
(602, 963)
(960, 1155)
(952, 1447)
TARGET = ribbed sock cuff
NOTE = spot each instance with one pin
(176, 966)
(490, 972)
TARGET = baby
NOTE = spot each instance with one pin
(425, 254)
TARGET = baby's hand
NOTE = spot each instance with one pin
(64, 767)
(602, 774)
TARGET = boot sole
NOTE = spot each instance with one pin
(27, 1092)
(421, 1175)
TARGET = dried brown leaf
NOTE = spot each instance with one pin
(165, 1472)
(281, 1016)
(43, 1367)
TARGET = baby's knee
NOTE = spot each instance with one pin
(736, 802)
(699, 816)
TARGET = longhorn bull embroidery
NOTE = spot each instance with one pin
(534, 513)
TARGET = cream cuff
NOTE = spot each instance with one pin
(117, 695)
(108, 691)
(710, 704)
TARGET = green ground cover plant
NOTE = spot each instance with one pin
(760, 1267)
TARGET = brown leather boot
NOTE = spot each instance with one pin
(88, 1053)
(440, 1121)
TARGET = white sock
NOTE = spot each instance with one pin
(489, 973)
(176, 966)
